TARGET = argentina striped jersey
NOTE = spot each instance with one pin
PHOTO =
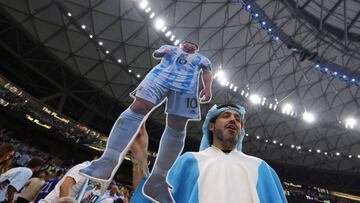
(179, 71)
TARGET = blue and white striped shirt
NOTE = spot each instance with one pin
(179, 71)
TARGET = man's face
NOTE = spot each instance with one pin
(226, 129)
(113, 189)
(42, 175)
(189, 47)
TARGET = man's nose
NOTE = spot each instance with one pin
(232, 118)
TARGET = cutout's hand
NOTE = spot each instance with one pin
(205, 96)
(169, 51)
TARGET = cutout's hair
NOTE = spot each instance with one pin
(197, 46)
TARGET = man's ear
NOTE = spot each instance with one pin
(243, 123)
(211, 126)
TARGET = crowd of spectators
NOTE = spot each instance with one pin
(308, 194)
(28, 174)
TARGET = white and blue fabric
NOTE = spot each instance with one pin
(179, 71)
(17, 178)
(211, 175)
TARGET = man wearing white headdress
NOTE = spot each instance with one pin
(220, 171)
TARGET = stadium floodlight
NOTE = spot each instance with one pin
(164, 29)
(138, 75)
(350, 123)
(235, 88)
(119, 60)
(83, 27)
(221, 78)
(274, 142)
(337, 153)
(176, 42)
(107, 51)
(325, 153)
(223, 81)
(350, 156)
(263, 25)
(287, 109)
(172, 37)
(69, 14)
(101, 43)
(168, 33)
(258, 137)
(143, 4)
(310, 150)
(263, 101)
(159, 23)
(255, 15)
(292, 146)
(308, 117)
(130, 70)
(220, 74)
(281, 144)
(255, 99)
(152, 15)
(148, 10)
(91, 36)
(318, 151)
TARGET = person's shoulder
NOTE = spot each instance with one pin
(202, 56)
(20, 170)
(183, 166)
(195, 157)
(27, 171)
(252, 159)
(19, 174)
(168, 46)
(187, 157)
(34, 179)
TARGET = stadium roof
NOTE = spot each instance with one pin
(87, 38)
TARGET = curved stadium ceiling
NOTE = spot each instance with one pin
(248, 57)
